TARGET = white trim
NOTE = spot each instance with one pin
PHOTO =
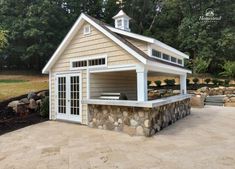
(183, 84)
(50, 99)
(142, 94)
(85, 28)
(132, 103)
(73, 31)
(87, 58)
(149, 40)
(115, 69)
(88, 83)
(161, 67)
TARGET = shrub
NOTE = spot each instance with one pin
(215, 81)
(158, 83)
(44, 108)
(195, 80)
(149, 82)
(207, 81)
(187, 81)
(170, 82)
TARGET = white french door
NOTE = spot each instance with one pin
(69, 97)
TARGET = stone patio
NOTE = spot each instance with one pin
(203, 140)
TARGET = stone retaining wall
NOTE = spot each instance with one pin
(137, 120)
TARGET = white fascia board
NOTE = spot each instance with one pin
(160, 67)
(73, 31)
(132, 35)
(149, 40)
(63, 45)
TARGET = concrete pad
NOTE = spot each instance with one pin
(203, 140)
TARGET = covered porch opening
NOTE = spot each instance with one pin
(163, 85)
(134, 84)
(123, 82)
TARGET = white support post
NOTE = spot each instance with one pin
(183, 85)
(142, 93)
(88, 83)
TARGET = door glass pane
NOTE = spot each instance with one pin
(74, 93)
(62, 95)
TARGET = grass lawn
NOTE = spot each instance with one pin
(12, 84)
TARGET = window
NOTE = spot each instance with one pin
(173, 59)
(125, 24)
(87, 29)
(95, 62)
(89, 63)
(79, 64)
(119, 22)
(180, 61)
(166, 57)
(156, 53)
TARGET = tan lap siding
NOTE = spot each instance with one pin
(83, 46)
(139, 44)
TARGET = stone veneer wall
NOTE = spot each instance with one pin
(137, 120)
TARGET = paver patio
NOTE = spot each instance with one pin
(205, 139)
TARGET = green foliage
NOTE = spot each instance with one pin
(200, 65)
(170, 82)
(195, 80)
(158, 83)
(207, 81)
(215, 81)
(44, 108)
(149, 82)
(228, 69)
(12, 80)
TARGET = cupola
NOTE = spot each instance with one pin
(122, 21)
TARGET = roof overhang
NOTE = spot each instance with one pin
(148, 40)
(72, 33)
(160, 67)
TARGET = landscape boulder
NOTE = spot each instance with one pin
(33, 95)
(32, 104)
(24, 100)
(13, 105)
(42, 94)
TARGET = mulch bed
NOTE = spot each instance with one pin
(9, 121)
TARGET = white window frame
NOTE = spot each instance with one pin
(85, 28)
(87, 58)
(161, 58)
